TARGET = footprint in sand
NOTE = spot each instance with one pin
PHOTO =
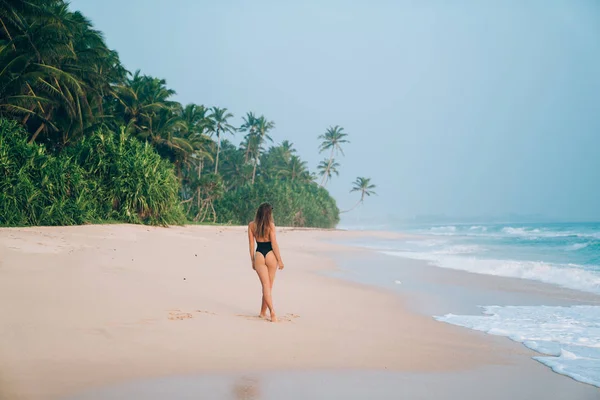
(250, 317)
(206, 312)
(289, 317)
(176, 315)
(285, 318)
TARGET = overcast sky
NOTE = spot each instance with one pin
(457, 108)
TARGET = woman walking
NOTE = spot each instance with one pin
(266, 257)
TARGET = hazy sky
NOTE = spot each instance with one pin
(456, 108)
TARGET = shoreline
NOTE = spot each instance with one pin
(452, 294)
(105, 304)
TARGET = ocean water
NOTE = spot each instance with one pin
(567, 255)
(562, 254)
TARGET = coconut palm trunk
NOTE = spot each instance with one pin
(353, 207)
(247, 155)
(262, 129)
(255, 163)
(218, 151)
(39, 130)
(220, 125)
(326, 174)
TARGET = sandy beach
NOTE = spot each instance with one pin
(88, 307)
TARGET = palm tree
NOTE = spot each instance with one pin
(235, 171)
(219, 124)
(202, 146)
(286, 150)
(56, 69)
(332, 139)
(327, 168)
(249, 125)
(140, 100)
(275, 159)
(295, 169)
(263, 126)
(147, 112)
(365, 187)
(195, 118)
(196, 124)
(211, 188)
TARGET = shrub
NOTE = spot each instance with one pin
(294, 204)
(103, 177)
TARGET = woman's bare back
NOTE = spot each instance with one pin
(252, 226)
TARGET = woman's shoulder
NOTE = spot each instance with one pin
(251, 224)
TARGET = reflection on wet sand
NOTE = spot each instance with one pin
(246, 388)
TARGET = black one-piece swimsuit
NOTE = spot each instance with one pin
(264, 248)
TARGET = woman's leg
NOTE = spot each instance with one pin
(271, 262)
(263, 274)
(272, 267)
(263, 307)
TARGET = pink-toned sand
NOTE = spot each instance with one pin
(83, 307)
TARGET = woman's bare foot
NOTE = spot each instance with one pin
(274, 318)
(263, 316)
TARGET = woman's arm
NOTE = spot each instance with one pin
(251, 243)
(275, 245)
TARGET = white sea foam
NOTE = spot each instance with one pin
(443, 230)
(520, 231)
(567, 275)
(544, 233)
(426, 242)
(578, 246)
(507, 231)
(459, 249)
(569, 337)
(478, 228)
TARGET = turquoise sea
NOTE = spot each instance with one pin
(562, 254)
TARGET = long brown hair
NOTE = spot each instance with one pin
(263, 220)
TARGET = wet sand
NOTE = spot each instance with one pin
(516, 382)
(84, 309)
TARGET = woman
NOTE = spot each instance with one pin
(266, 257)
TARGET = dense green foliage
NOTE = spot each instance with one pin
(103, 177)
(37, 188)
(91, 141)
(294, 204)
(131, 181)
